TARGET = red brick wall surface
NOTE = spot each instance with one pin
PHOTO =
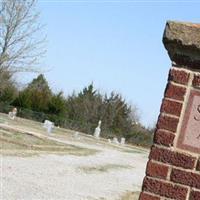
(173, 173)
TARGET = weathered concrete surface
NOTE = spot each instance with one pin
(182, 41)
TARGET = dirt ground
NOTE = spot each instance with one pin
(110, 172)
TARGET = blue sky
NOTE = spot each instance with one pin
(117, 45)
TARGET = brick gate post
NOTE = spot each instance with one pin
(173, 169)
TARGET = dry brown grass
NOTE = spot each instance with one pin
(103, 168)
(16, 143)
(131, 196)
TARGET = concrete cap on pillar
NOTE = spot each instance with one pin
(182, 41)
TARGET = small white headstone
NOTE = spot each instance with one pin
(76, 135)
(98, 130)
(12, 114)
(109, 140)
(115, 140)
(48, 125)
(122, 141)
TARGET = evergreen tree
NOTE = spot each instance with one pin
(8, 90)
(117, 114)
(57, 105)
(85, 107)
(36, 96)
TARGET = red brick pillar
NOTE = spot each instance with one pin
(173, 169)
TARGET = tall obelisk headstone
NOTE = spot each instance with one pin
(173, 169)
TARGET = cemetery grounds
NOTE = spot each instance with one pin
(65, 165)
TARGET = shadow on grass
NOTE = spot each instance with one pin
(103, 168)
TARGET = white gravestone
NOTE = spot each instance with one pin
(13, 114)
(115, 140)
(109, 140)
(76, 135)
(97, 130)
(122, 142)
(48, 125)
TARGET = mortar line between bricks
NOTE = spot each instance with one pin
(168, 181)
(163, 147)
(182, 151)
(178, 84)
(169, 115)
(188, 194)
(165, 198)
(196, 190)
(152, 194)
(180, 68)
(195, 165)
(164, 130)
(175, 167)
(186, 170)
(169, 172)
(171, 99)
(160, 163)
(188, 70)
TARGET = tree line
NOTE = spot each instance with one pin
(84, 108)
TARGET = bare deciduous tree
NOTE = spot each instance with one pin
(21, 45)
